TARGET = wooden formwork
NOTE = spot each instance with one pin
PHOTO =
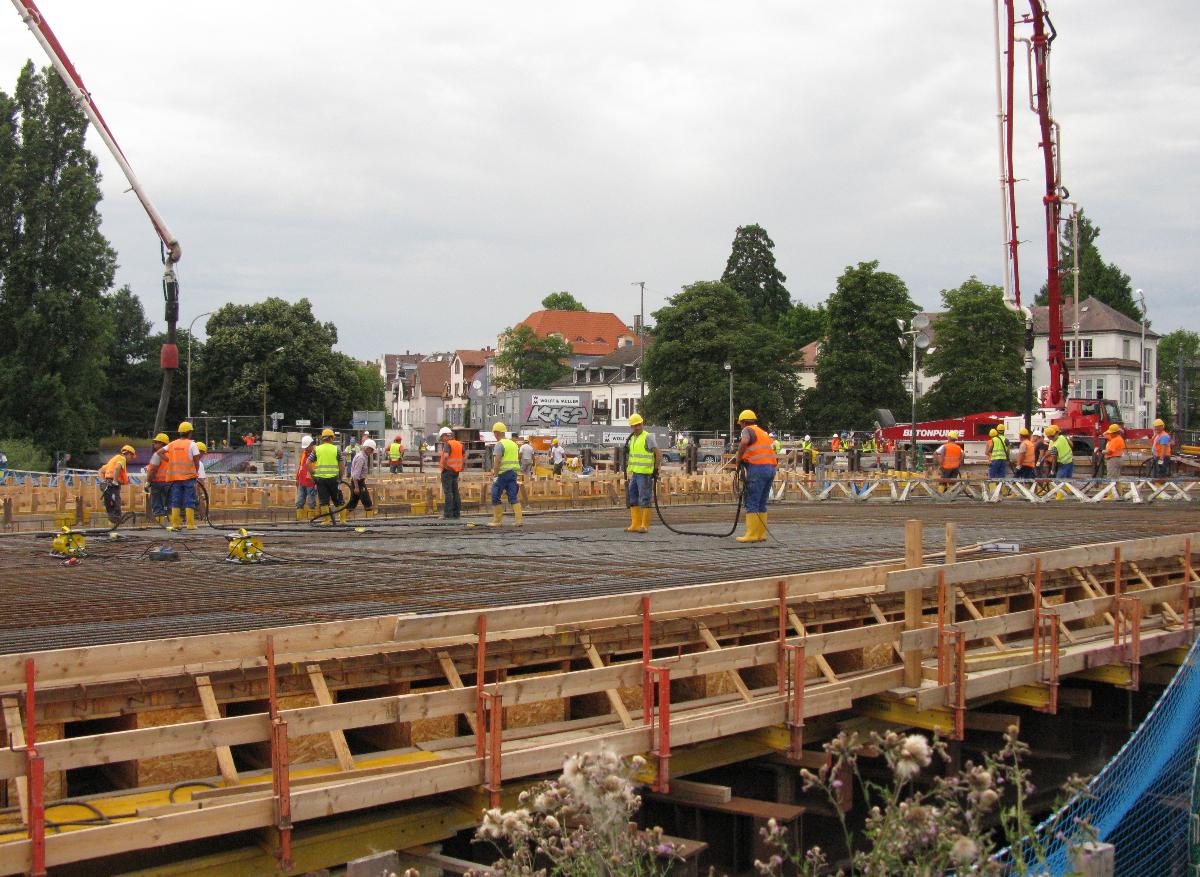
(465, 700)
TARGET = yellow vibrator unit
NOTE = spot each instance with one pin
(244, 547)
(68, 544)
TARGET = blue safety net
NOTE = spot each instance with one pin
(1142, 800)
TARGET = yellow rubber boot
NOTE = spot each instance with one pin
(517, 512)
(322, 509)
(370, 513)
(497, 516)
(751, 534)
(176, 519)
(191, 518)
(762, 527)
(299, 514)
(635, 519)
(644, 519)
(160, 519)
(344, 515)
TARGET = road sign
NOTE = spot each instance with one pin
(303, 423)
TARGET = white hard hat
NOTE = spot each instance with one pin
(808, 438)
(368, 443)
(1038, 431)
(445, 430)
(306, 441)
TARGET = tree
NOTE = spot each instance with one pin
(526, 360)
(279, 347)
(803, 325)
(979, 357)
(701, 328)
(862, 364)
(1181, 344)
(55, 266)
(1097, 278)
(562, 301)
(751, 272)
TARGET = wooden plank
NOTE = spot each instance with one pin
(341, 751)
(208, 702)
(978, 616)
(875, 611)
(822, 662)
(614, 696)
(732, 675)
(689, 791)
(455, 681)
(16, 741)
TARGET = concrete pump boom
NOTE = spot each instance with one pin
(171, 250)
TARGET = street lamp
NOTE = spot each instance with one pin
(642, 335)
(918, 340)
(189, 362)
(266, 361)
(729, 370)
(1143, 404)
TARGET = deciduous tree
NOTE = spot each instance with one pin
(562, 301)
(1097, 278)
(1172, 347)
(526, 360)
(750, 271)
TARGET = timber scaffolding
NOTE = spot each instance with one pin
(466, 707)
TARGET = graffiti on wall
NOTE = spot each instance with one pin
(556, 411)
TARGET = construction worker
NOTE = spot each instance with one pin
(156, 483)
(506, 463)
(642, 461)
(756, 454)
(450, 464)
(113, 475)
(1059, 458)
(950, 455)
(178, 468)
(525, 455)
(558, 456)
(835, 443)
(1160, 463)
(1114, 452)
(360, 468)
(807, 453)
(348, 453)
(1026, 456)
(997, 453)
(325, 467)
(396, 455)
(306, 487)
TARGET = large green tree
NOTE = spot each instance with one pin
(802, 324)
(528, 361)
(1097, 278)
(281, 348)
(978, 360)
(55, 266)
(750, 271)
(1182, 344)
(862, 364)
(562, 301)
(703, 327)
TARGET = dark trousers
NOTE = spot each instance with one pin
(328, 492)
(359, 494)
(451, 500)
(160, 498)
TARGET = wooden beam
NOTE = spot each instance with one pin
(340, 749)
(455, 681)
(822, 662)
(208, 703)
(733, 675)
(614, 696)
(16, 741)
(978, 616)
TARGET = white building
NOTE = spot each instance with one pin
(615, 382)
(1117, 358)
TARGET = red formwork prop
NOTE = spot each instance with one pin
(1129, 628)
(494, 711)
(795, 695)
(658, 679)
(35, 769)
(280, 765)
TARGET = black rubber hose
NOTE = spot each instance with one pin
(739, 489)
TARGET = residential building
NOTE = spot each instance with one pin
(615, 382)
(424, 410)
(806, 371)
(591, 334)
(465, 367)
(398, 371)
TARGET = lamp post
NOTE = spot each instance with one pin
(642, 335)
(1143, 404)
(189, 361)
(917, 340)
(729, 371)
(266, 362)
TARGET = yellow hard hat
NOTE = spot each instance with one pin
(1024, 431)
(128, 449)
(1113, 427)
(953, 433)
(327, 433)
(499, 426)
(746, 416)
(635, 419)
(999, 427)
(184, 427)
(162, 437)
(203, 447)
(1158, 421)
(1051, 430)
(992, 433)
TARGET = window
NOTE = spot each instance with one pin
(1147, 366)
(1125, 348)
(1085, 345)
(1093, 388)
(1126, 390)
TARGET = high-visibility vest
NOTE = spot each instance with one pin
(115, 470)
(1115, 447)
(835, 444)
(303, 478)
(777, 446)
(1028, 454)
(326, 460)
(1062, 450)
(641, 458)
(348, 452)
(999, 448)
(158, 477)
(452, 455)
(178, 463)
(806, 447)
(395, 451)
(1162, 450)
(761, 451)
(952, 455)
(510, 460)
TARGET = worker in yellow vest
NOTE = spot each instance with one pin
(325, 467)
(113, 475)
(642, 461)
(756, 453)
(997, 453)
(396, 455)
(1059, 458)
(506, 463)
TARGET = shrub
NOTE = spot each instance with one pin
(24, 454)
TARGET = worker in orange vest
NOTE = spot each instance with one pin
(835, 443)
(756, 452)
(1026, 456)
(950, 455)
(113, 475)
(179, 468)
(1160, 465)
(156, 484)
(450, 463)
(1114, 452)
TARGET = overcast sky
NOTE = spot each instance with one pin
(426, 172)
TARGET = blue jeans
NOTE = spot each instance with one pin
(183, 494)
(160, 498)
(1065, 470)
(640, 490)
(306, 496)
(505, 482)
(998, 469)
(759, 478)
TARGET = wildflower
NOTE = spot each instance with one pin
(964, 851)
(913, 754)
(988, 799)
(551, 823)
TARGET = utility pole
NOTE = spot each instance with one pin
(641, 284)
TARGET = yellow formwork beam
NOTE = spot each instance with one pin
(1110, 674)
(900, 712)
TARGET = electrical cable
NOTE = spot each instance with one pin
(334, 511)
(175, 788)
